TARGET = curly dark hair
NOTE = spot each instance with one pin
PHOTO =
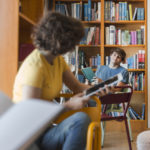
(57, 33)
(120, 52)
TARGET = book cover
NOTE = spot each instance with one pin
(142, 14)
(120, 10)
(143, 111)
(135, 14)
(89, 10)
(138, 13)
(130, 11)
(117, 12)
(85, 9)
(97, 36)
(88, 73)
(99, 11)
(112, 29)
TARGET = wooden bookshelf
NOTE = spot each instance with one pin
(90, 46)
(138, 45)
(104, 49)
(9, 44)
(27, 19)
(124, 22)
(17, 29)
(91, 22)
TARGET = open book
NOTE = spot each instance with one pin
(96, 88)
(22, 123)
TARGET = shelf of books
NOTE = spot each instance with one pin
(109, 24)
(125, 27)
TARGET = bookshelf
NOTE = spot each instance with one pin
(17, 21)
(103, 49)
(19, 24)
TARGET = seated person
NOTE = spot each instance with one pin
(44, 71)
(117, 55)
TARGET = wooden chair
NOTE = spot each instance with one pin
(94, 131)
(118, 98)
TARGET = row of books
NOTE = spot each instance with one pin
(92, 12)
(95, 61)
(115, 114)
(137, 61)
(86, 11)
(92, 36)
(114, 36)
(82, 61)
(138, 13)
(134, 115)
(137, 80)
(122, 11)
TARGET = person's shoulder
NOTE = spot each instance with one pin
(34, 59)
(59, 59)
(123, 69)
(102, 67)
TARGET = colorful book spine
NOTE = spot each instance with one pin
(85, 9)
(135, 14)
(143, 111)
(130, 11)
(142, 14)
(89, 10)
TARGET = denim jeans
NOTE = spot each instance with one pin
(70, 134)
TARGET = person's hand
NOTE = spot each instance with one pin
(95, 81)
(105, 91)
(77, 102)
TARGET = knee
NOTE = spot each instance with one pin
(82, 118)
(143, 141)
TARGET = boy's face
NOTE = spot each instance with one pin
(115, 58)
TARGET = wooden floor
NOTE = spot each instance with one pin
(118, 141)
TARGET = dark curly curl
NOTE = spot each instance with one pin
(57, 33)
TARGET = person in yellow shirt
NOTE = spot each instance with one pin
(41, 76)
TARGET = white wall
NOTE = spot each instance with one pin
(148, 42)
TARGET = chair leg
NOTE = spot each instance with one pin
(130, 130)
(103, 133)
(128, 136)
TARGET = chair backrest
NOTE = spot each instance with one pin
(118, 98)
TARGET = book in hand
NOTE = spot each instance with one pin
(101, 86)
(88, 73)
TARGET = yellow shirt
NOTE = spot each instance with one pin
(37, 72)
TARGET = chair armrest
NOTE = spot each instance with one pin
(94, 133)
